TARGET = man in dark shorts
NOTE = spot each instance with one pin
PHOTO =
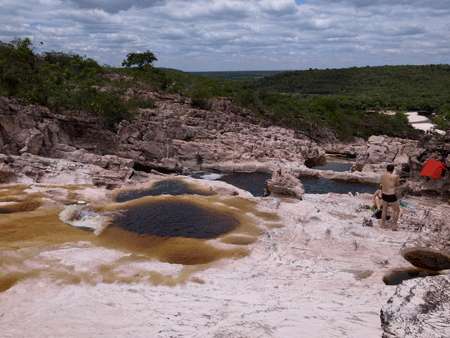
(389, 181)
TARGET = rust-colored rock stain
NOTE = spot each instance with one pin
(33, 227)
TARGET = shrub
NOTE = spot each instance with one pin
(201, 103)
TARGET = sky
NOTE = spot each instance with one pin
(230, 35)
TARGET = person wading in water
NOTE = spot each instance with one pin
(389, 181)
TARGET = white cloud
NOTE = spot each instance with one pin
(238, 34)
(114, 6)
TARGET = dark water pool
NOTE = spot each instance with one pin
(398, 276)
(175, 219)
(314, 185)
(168, 187)
(426, 258)
(335, 166)
(255, 183)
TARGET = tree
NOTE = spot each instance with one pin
(139, 59)
(18, 65)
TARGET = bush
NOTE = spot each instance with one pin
(200, 99)
(201, 103)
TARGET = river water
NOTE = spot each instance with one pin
(255, 182)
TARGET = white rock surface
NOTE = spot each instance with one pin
(318, 276)
(419, 308)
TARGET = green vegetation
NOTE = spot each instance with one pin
(398, 88)
(340, 100)
(140, 60)
(240, 75)
(58, 81)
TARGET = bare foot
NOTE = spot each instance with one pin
(395, 229)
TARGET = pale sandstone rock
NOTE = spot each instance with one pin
(319, 275)
(170, 164)
(29, 168)
(376, 139)
(404, 158)
(284, 183)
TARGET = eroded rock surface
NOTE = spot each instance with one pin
(419, 308)
(173, 137)
(97, 170)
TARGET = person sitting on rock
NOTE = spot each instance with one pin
(388, 183)
(376, 199)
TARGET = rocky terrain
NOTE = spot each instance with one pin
(312, 268)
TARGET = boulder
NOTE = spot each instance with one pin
(314, 156)
(170, 164)
(419, 308)
(377, 140)
(376, 154)
(284, 184)
(357, 166)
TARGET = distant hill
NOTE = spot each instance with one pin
(240, 75)
(382, 80)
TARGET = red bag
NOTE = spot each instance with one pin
(433, 168)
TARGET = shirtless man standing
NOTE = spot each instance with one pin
(389, 181)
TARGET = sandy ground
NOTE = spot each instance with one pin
(421, 122)
(319, 275)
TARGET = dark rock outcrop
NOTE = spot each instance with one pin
(33, 129)
(171, 137)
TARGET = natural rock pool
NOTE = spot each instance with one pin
(255, 182)
(398, 276)
(175, 219)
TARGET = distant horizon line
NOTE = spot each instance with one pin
(293, 70)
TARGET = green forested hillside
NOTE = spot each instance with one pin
(399, 88)
(399, 81)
